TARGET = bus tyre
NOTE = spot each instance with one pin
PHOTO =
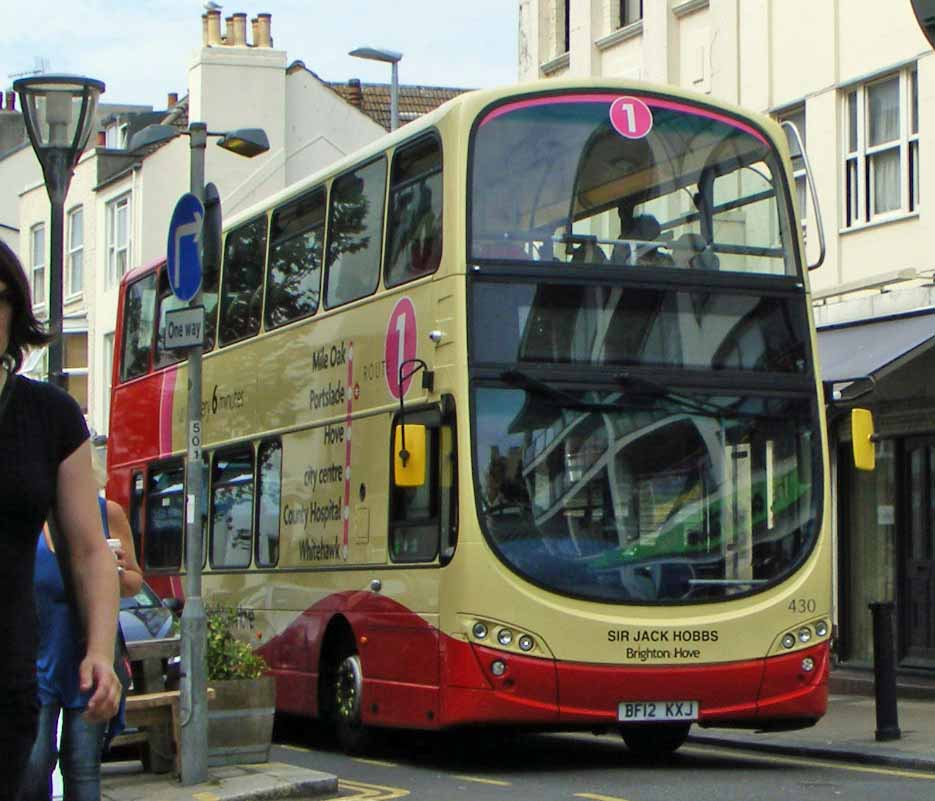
(654, 739)
(347, 695)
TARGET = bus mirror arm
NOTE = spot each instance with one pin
(428, 383)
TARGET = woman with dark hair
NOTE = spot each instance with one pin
(45, 464)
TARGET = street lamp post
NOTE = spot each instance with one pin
(193, 748)
(59, 114)
(391, 56)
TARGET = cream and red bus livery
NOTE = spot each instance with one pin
(512, 417)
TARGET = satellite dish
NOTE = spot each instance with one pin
(925, 14)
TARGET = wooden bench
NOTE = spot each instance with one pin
(152, 710)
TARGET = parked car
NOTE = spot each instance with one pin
(145, 616)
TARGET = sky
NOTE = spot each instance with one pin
(141, 49)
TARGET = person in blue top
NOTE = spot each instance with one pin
(60, 651)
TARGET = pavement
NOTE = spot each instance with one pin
(847, 733)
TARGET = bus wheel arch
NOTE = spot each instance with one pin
(340, 688)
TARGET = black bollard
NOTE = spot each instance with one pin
(884, 670)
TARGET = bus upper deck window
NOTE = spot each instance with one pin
(138, 323)
(242, 282)
(414, 228)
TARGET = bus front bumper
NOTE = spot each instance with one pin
(774, 693)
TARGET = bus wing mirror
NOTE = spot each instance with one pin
(862, 438)
(794, 137)
(409, 455)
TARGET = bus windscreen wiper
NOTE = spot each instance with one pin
(637, 385)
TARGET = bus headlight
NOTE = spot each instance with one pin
(808, 664)
(788, 641)
(526, 643)
(805, 634)
(821, 628)
(498, 667)
(480, 630)
(504, 637)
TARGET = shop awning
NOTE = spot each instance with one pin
(871, 349)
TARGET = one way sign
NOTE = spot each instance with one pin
(185, 328)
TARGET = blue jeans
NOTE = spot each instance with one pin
(79, 753)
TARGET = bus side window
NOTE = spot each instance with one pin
(269, 495)
(167, 302)
(423, 519)
(232, 507)
(414, 229)
(165, 500)
(138, 319)
(293, 280)
(242, 281)
(355, 234)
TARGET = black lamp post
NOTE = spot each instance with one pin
(59, 115)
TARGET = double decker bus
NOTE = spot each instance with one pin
(512, 417)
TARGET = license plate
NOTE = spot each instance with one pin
(661, 711)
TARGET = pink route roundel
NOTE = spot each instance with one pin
(400, 344)
(631, 117)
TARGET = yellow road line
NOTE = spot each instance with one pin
(371, 792)
(818, 763)
(481, 780)
(596, 797)
(378, 762)
(205, 797)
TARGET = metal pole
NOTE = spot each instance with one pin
(194, 697)
(884, 671)
(394, 97)
(57, 173)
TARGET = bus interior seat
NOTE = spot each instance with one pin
(692, 252)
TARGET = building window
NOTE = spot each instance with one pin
(116, 135)
(108, 374)
(75, 360)
(882, 152)
(118, 239)
(566, 26)
(630, 11)
(74, 264)
(37, 263)
(797, 117)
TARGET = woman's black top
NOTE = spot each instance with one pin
(41, 427)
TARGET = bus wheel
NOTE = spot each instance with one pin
(655, 739)
(347, 695)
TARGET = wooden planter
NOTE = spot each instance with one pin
(240, 720)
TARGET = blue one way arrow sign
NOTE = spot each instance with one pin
(183, 250)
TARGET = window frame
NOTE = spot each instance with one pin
(309, 196)
(625, 12)
(37, 234)
(152, 471)
(124, 375)
(74, 251)
(330, 259)
(394, 188)
(860, 157)
(117, 208)
(222, 453)
(225, 303)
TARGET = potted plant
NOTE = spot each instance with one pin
(240, 713)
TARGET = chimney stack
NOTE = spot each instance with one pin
(240, 30)
(214, 28)
(172, 100)
(204, 30)
(254, 31)
(264, 35)
(10, 100)
(356, 93)
(228, 38)
(101, 139)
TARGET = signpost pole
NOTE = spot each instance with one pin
(194, 735)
